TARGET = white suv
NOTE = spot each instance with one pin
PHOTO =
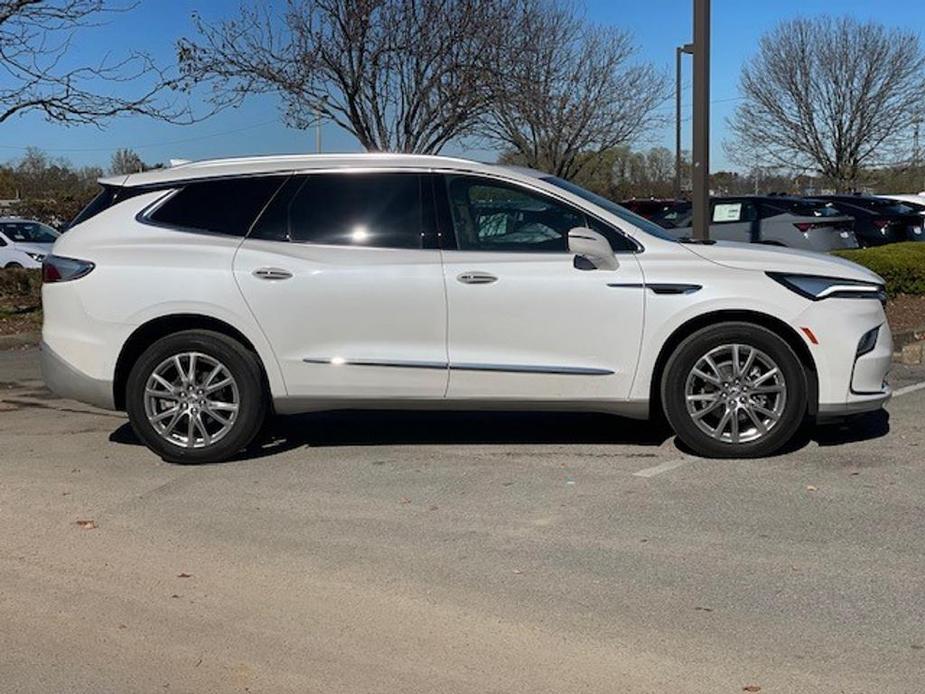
(202, 298)
(24, 243)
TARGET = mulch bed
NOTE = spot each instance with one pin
(906, 313)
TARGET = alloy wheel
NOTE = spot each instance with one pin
(192, 400)
(736, 393)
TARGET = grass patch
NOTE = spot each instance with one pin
(902, 265)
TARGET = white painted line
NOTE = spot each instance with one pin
(908, 389)
(664, 467)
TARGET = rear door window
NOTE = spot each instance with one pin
(223, 206)
(372, 210)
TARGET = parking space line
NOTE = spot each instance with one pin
(898, 393)
(667, 466)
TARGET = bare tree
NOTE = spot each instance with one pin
(830, 95)
(570, 89)
(126, 161)
(35, 38)
(398, 75)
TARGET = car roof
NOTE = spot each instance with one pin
(217, 168)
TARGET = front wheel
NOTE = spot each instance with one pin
(196, 397)
(13, 266)
(734, 390)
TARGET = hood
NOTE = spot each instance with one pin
(751, 256)
(43, 248)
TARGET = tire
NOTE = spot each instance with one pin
(13, 266)
(224, 409)
(722, 416)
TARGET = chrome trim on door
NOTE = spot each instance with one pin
(340, 361)
(474, 277)
(530, 369)
(499, 368)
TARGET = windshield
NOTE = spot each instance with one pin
(807, 208)
(28, 232)
(612, 207)
(880, 205)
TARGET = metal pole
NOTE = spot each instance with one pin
(679, 52)
(318, 133)
(677, 120)
(701, 126)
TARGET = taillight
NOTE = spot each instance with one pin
(804, 226)
(58, 269)
(881, 224)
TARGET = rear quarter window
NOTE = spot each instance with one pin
(226, 206)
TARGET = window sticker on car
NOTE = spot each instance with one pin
(727, 212)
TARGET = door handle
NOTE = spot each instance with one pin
(271, 273)
(474, 277)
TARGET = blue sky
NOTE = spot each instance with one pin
(255, 128)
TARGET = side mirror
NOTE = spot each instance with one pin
(593, 247)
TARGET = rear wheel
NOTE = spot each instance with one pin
(734, 390)
(13, 266)
(196, 397)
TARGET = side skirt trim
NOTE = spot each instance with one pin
(498, 368)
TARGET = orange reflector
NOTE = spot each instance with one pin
(811, 335)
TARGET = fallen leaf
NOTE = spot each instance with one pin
(704, 609)
(184, 575)
(517, 571)
(174, 596)
(404, 500)
(434, 508)
(810, 488)
(87, 524)
(751, 688)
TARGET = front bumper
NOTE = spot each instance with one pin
(68, 382)
(848, 383)
(846, 409)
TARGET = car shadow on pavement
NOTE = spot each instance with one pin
(419, 428)
(866, 427)
(367, 428)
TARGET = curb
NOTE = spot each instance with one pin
(20, 340)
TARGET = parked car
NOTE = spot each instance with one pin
(878, 221)
(916, 200)
(202, 298)
(649, 207)
(774, 220)
(916, 203)
(24, 242)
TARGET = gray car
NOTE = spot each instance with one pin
(776, 220)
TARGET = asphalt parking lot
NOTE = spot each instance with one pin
(410, 552)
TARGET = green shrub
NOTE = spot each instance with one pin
(902, 265)
(21, 286)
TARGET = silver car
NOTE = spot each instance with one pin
(775, 220)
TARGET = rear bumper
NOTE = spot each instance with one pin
(68, 382)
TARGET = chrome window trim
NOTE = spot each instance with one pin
(179, 183)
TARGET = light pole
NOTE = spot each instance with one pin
(688, 49)
(701, 125)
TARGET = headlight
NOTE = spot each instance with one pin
(37, 257)
(816, 288)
